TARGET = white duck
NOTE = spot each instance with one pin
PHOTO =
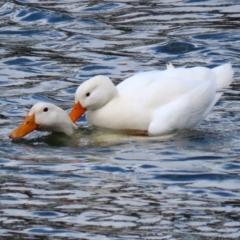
(156, 101)
(44, 117)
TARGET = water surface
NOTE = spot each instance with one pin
(102, 185)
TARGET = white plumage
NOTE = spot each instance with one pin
(155, 101)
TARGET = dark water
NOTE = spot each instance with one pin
(100, 185)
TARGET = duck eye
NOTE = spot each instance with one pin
(87, 94)
(45, 109)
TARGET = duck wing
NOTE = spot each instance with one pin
(153, 89)
(187, 111)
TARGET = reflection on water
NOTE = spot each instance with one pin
(100, 184)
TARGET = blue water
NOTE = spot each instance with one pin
(102, 185)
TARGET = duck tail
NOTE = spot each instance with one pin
(170, 66)
(224, 75)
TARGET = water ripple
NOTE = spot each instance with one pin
(104, 185)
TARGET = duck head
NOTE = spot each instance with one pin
(91, 95)
(44, 117)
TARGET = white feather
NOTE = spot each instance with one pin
(155, 101)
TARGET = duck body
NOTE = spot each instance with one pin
(156, 101)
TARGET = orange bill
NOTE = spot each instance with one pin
(28, 125)
(77, 112)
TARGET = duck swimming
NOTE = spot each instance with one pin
(44, 117)
(158, 102)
